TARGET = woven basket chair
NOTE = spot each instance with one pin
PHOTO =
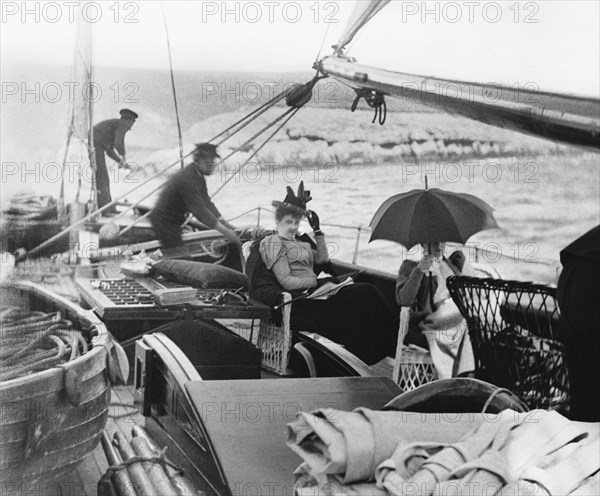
(514, 328)
(412, 365)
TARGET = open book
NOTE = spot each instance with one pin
(329, 289)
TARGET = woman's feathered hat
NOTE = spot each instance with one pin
(296, 202)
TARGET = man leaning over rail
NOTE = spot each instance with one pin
(186, 192)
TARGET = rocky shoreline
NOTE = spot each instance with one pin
(318, 136)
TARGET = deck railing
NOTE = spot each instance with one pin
(480, 253)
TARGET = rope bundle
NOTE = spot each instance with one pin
(31, 207)
(35, 341)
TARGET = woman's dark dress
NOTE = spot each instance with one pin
(357, 317)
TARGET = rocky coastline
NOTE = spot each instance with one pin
(319, 136)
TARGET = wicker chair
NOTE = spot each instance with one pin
(412, 365)
(274, 339)
(515, 332)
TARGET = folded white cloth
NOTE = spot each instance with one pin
(444, 454)
(345, 447)
(418, 467)
(541, 450)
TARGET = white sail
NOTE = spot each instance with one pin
(80, 115)
(363, 12)
(83, 74)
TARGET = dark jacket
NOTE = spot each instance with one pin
(185, 192)
(110, 135)
(586, 247)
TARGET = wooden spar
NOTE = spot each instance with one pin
(156, 473)
(567, 118)
(139, 477)
(120, 479)
(181, 483)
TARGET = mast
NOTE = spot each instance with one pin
(90, 144)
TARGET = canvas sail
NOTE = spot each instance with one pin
(80, 113)
(363, 12)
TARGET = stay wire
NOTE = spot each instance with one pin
(322, 43)
(126, 229)
(292, 112)
(173, 86)
(260, 110)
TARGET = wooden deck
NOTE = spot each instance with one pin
(123, 415)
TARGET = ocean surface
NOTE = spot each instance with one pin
(541, 202)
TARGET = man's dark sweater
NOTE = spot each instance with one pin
(184, 192)
(110, 135)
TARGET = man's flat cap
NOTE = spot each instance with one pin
(207, 149)
(128, 114)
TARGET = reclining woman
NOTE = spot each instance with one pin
(358, 316)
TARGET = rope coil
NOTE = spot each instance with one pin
(375, 100)
(34, 341)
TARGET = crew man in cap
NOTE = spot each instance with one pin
(109, 138)
(185, 192)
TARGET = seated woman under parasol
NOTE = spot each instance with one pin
(436, 322)
(430, 217)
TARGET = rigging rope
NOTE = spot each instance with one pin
(248, 118)
(173, 87)
(259, 111)
(296, 97)
(292, 112)
(322, 43)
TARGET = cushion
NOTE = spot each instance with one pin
(200, 275)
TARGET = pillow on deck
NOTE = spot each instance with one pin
(200, 275)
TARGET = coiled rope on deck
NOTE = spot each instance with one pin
(35, 341)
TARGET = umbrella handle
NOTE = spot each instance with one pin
(431, 292)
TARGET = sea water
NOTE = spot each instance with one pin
(541, 204)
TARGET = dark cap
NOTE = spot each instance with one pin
(207, 149)
(128, 114)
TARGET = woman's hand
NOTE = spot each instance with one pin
(426, 264)
(313, 220)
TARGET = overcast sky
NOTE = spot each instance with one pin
(553, 44)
